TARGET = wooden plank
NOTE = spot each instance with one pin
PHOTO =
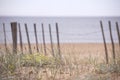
(14, 36)
(113, 47)
(5, 37)
(29, 44)
(58, 42)
(44, 44)
(105, 46)
(118, 32)
(20, 35)
(35, 31)
(51, 40)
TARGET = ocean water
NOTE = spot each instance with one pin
(71, 29)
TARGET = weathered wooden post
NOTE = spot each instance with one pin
(118, 32)
(20, 35)
(105, 46)
(51, 40)
(58, 42)
(113, 47)
(36, 37)
(5, 37)
(30, 50)
(14, 36)
(43, 35)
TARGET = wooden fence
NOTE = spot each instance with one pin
(111, 36)
(14, 30)
(15, 26)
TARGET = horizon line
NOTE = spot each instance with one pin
(52, 16)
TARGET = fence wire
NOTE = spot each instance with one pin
(68, 38)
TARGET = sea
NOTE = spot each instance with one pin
(71, 29)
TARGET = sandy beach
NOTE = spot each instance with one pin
(94, 49)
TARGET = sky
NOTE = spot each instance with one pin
(59, 8)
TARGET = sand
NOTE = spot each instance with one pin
(83, 49)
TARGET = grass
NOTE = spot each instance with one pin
(13, 66)
(73, 66)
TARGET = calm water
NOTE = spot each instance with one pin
(71, 29)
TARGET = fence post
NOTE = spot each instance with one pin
(44, 44)
(5, 37)
(36, 37)
(21, 44)
(51, 39)
(105, 46)
(118, 33)
(58, 42)
(14, 36)
(30, 50)
(113, 47)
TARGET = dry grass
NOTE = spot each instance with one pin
(80, 61)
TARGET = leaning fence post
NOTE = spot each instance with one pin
(105, 46)
(51, 39)
(113, 47)
(14, 36)
(30, 50)
(58, 42)
(118, 33)
(5, 37)
(36, 37)
(21, 44)
(43, 35)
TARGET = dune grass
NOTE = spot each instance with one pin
(72, 66)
